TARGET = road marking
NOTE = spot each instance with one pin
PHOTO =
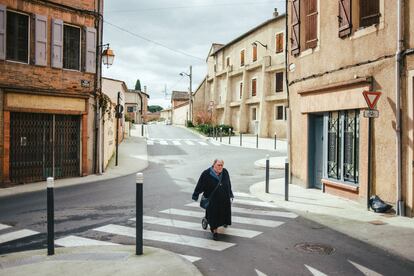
(254, 212)
(4, 226)
(254, 203)
(259, 273)
(202, 143)
(190, 258)
(243, 194)
(215, 143)
(365, 270)
(197, 227)
(166, 237)
(243, 220)
(72, 241)
(17, 235)
(150, 142)
(189, 143)
(314, 271)
(177, 143)
(162, 142)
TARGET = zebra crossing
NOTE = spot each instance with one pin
(13, 234)
(181, 142)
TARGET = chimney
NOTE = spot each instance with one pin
(275, 13)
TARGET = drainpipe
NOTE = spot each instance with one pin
(288, 136)
(398, 71)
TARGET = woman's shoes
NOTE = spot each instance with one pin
(215, 236)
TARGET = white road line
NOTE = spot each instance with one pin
(166, 237)
(190, 258)
(254, 212)
(189, 143)
(259, 273)
(177, 143)
(365, 270)
(215, 143)
(17, 235)
(71, 241)
(243, 194)
(4, 226)
(150, 142)
(202, 143)
(243, 220)
(162, 142)
(314, 271)
(254, 203)
(197, 227)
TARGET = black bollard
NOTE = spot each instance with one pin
(229, 136)
(240, 139)
(257, 141)
(267, 173)
(286, 180)
(275, 141)
(139, 214)
(50, 217)
(221, 134)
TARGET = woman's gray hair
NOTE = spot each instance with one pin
(217, 159)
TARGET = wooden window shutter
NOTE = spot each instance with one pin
(295, 39)
(369, 12)
(57, 43)
(345, 18)
(254, 52)
(254, 81)
(279, 43)
(90, 63)
(3, 32)
(242, 58)
(311, 25)
(40, 40)
(279, 81)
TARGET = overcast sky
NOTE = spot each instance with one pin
(138, 30)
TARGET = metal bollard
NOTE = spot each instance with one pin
(267, 173)
(240, 139)
(142, 129)
(286, 179)
(257, 141)
(275, 141)
(50, 217)
(229, 136)
(221, 134)
(139, 213)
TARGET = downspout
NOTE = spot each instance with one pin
(287, 87)
(398, 66)
(98, 90)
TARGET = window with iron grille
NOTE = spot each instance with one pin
(71, 47)
(279, 112)
(343, 145)
(17, 39)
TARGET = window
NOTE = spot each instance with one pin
(131, 109)
(279, 43)
(241, 90)
(242, 58)
(343, 145)
(17, 39)
(279, 82)
(254, 86)
(369, 13)
(227, 61)
(304, 21)
(254, 113)
(279, 112)
(71, 47)
(254, 54)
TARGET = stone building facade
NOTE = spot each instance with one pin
(48, 76)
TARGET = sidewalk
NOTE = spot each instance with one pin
(392, 233)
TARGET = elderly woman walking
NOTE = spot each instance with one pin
(215, 184)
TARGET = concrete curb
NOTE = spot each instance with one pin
(96, 260)
(274, 162)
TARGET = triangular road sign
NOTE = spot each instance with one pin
(371, 97)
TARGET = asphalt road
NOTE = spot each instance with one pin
(280, 245)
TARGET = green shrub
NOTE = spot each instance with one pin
(190, 123)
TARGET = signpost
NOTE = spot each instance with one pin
(371, 97)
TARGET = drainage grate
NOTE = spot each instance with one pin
(319, 248)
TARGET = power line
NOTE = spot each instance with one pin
(152, 41)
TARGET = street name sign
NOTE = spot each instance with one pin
(371, 97)
(371, 113)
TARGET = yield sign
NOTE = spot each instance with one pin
(371, 97)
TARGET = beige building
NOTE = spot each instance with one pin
(136, 105)
(338, 51)
(179, 107)
(245, 83)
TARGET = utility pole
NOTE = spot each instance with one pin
(191, 94)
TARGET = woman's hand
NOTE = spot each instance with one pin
(195, 197)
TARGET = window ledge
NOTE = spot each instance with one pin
(340, 185)
(279, 96)
(233, 104)
(309, 51)
(253, 100)
(367, 31)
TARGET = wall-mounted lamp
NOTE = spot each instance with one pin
(108, 55)
(257, 41)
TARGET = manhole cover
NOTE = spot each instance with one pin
(315, 248)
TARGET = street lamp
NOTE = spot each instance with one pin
(257, 41)
(190, 93)
(107, 55)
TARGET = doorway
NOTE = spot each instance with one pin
(315, 153)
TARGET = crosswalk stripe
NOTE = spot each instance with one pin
(203, 144)
(4, 226)
(365, 270)
(243, 194)
(215, 143)
(190, 258)
(314, 271)
(71, 241)
(17, 235)
(150, 142)
(243, 220)
(177, 143)
(254, 212)
(189, 143)
(166, 237)
(197, 227)
(162, 142)
(254, 203)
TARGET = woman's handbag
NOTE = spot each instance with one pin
(205, 201)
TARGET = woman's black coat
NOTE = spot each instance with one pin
(218, 212)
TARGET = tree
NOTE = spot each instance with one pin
(154, 108)
(138, 85)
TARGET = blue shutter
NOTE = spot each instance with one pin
(90, 65)
(41, 40)
(57, 43)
